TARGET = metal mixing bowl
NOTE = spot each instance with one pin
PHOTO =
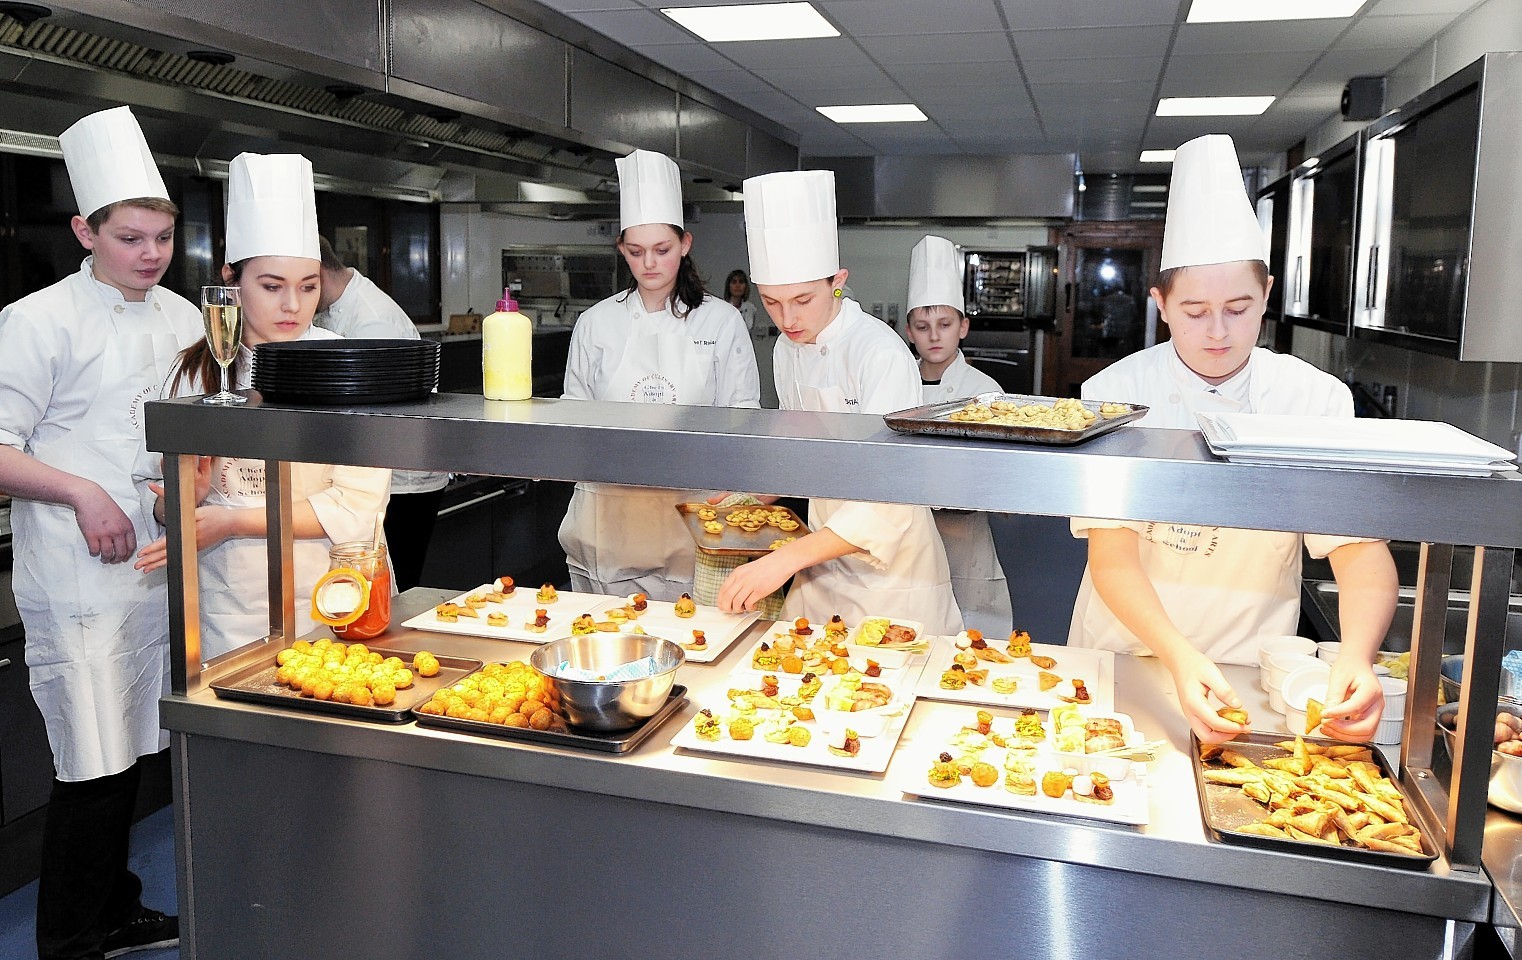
(609, 706)
(1505, 770)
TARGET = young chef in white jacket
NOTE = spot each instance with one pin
(273, 258)
(1198, 595)
(351, 305)
(936, 327)
(664, 340)
(77, 360)
(863, 559)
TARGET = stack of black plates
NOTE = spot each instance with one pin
(346, 371)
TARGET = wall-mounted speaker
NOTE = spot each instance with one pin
(1363, 98)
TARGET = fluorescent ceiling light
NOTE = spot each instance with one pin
(1212, 106)
(753, 21)
(1239, 11)
(874, 113)
(1157, 156)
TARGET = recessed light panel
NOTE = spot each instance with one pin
(874, 113)
(1157, 156)
(753, 21)
(1240, 11)
(1212, 106)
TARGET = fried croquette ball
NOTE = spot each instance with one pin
(303, 646)
(385, 694)
(343, 693)
(433, 708)
(799, 736)
(284, 657)
(322, 690)
(515, 720)
(500, 713)
(530, 706)
(401, 679)
(541, 719)
(426, 664)
(283, 676)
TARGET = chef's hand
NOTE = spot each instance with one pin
(750, 583)
(213, 525)
(203, 488)
(1196, 678)
(107, 531)
(1354, 701)
(765, 498)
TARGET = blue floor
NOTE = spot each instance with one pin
(152, 859)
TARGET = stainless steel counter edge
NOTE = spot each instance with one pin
(1132, 473)
(1173, 845)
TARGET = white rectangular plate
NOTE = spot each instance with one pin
(520, 609)
(1096, 668)
(911, 769)
(857, 655)
(720, 629)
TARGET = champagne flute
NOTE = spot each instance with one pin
(221, 308)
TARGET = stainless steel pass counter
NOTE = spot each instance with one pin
(311, 837)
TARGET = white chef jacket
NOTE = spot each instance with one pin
(235, 573)
(619, 539)
(364, 311)
(858, 364)
(977, 579)
(77, 362)
(1224, 588)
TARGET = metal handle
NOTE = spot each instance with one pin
(1300, 279)
(1067, 297)
(484, 498)
(5, 663)
(1370, 282)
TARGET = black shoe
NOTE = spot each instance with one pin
(150, 930)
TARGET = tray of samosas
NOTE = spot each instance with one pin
(1317, 797)
(740, 531)
(1017, 417)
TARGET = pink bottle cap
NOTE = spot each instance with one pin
(507, 304)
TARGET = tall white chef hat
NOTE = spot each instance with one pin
(935, 276)
(108, 161)
(1210, 219)
(649, 190)
(271, 207)
(790, 226)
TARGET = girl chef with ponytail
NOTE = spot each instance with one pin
(663, 340)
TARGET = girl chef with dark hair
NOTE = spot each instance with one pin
(663, 340)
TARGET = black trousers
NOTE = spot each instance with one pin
(409, 527)
(86, 891)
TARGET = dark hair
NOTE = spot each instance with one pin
(733, 276)
(689, 291)
(1166, 278)
(330, 258)
(195, 367)
(98, 219)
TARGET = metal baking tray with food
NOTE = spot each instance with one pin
(256, 684)
(735, 541)
(932, 419)
(620, 741)
(1226, 809)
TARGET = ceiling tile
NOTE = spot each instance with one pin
(733, 80)
(1257, 38)
(939, 48)
(1063, 14)
(1403, 32)
(1232, 75)
(1092, 42)
(635, 27)
(1058, 94)
(686, 58)
(1409, 7)
(770, 54)
(812, 83)
(988, 109)
(870, 18)
(573, 6)
(919, 77)
(1108, 69)
(1339, 65)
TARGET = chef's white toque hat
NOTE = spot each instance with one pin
(935, 275)
(271, 207)
(109, 161)
(790, 226)
(649, 190)
(1210, 219)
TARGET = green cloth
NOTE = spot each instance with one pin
(710, 572)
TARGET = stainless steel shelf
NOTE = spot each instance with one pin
(1135, 474)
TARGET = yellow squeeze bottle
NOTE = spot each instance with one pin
(507, 345)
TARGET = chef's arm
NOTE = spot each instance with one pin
(1367, 587)
(1121, 581)
(750, 583)
(106, 529)
(216, 523)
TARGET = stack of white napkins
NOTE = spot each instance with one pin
(1398, 446)
(633, 670)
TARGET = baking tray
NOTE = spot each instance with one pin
(930, 419)
(621, 741)
(1224, 807)
(256, 684)
(734, 542)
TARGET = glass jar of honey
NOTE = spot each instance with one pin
(354, 596)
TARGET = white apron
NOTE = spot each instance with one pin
(620, 540)
(97, 635)
(1223, 588)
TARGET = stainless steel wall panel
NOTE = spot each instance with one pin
(609, 103)
(466, 49)
(710, 138)
(1492, 328)
(975, 186)
(765, 153)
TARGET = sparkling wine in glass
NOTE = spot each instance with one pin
(221, 309)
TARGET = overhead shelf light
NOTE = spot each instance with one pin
(753, 21)
(1157, 156)
(874, 113)
(1212, 106)
(1241, 11)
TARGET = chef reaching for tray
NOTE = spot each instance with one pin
(77, 360)
(863, 559)
(937, 327)
(664, 340)
(1195, 596)
(274, 258)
